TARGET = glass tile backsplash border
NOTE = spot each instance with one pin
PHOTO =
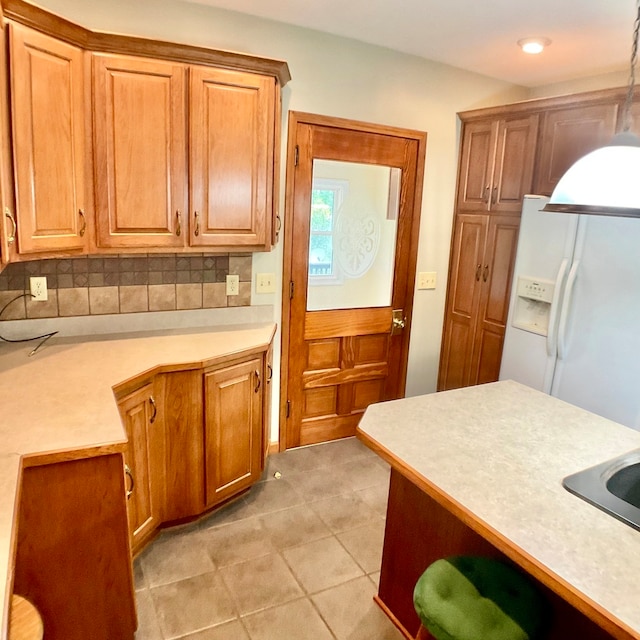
(91, 285)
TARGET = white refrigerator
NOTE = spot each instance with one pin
(573, 328)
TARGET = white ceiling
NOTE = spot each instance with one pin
(589, 37)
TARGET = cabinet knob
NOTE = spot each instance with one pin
(14, 229)
(478, 271)
(485, 273)
(127, 470)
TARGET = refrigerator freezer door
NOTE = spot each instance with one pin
(545, 248)
(599, 366)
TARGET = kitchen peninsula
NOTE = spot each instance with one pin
(64, 539)
(479, 470)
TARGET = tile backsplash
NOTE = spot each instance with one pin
(97, 285)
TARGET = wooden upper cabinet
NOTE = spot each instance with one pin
(48, 117)
(567, 135)
(496, 163)
(231, 142)
(139, 108)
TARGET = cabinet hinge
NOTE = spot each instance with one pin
(291, 290)
(288, 408)
(296, 156)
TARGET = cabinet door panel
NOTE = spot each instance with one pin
(233, 429)
(499, 259)
(462, 300)
(48, 141)
(476, 162)
(231, 147)
(516, 148)
(144, 458)
(140, 149)
(567, 135)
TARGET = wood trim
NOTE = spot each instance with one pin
(61, 28)
(561, 587)
(392, 617)
(68, 455)
(527, 107)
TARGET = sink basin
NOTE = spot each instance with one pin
(612, 486)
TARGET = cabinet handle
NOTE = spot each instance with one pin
(478, 270)
(485, 273)
(258, 381)
(269, 372)
(14, 230)
(495, 194)
(152, 402)
(196, 232)
(178, 223)
(83, 228)
(487, 194)
(127, 470)
(278, 224)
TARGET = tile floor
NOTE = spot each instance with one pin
(296, 558)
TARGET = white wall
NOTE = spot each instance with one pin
(605, 81)
(344, 78)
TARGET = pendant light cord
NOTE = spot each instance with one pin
(632, 72)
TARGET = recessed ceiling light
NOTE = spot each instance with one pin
(533, 45)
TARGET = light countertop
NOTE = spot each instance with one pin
(61, 398)
(500, 451)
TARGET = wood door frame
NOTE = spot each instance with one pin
(296, 118)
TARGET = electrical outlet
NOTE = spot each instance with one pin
(233, 285)
(427, 280)
(38, 287)
(266, 283)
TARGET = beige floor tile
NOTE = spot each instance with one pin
(344, 450)
(363, 473)
(320, 483)
(233, 512)
(375, 578)
(296, 620)
(261, 583)
(193, 604)
(301, 459)
(236, 542)
(139, 579)
(376, 497)
(294, 526)
(174, 556)
(148, 628)
(351, 613)
(265, 497)
(365, 545)
(228, 631)
(321, 564)
(343, 512)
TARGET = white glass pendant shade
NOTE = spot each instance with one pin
(604, 182)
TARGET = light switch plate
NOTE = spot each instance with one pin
(427, 280)
(266, 283)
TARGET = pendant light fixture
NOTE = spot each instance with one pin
(607, 180)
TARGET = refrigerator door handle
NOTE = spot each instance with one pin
(552, 334)
(564, 313)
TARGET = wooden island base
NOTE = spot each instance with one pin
(419, 530)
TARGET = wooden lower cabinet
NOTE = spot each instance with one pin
(72, 549)
(233, 425)
(482, 260)
(144, 464)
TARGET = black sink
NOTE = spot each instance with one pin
(612, 486)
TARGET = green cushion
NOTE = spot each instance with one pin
(475, 598)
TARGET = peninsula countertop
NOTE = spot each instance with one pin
(61, 399)
(497, 453)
